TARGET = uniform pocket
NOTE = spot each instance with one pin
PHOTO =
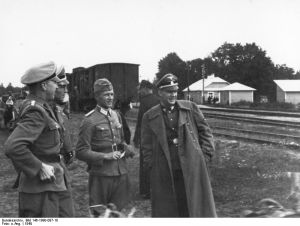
(54, 132)
(102, 132)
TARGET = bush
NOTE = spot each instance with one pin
(275, 106)
(242, 104)
(278, 106)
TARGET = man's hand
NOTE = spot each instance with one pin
(47, 172)
(129, 151)
(112, 155)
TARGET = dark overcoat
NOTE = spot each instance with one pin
(195, 145)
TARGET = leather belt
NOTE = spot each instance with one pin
(50, 158)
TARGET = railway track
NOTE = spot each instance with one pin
(290, 141)
(252, 111)
(254, 120)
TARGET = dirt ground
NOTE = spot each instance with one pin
(241, 173)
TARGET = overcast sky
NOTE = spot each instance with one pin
(88, 32)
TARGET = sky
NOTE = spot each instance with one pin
(88, 32)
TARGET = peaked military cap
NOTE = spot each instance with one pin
(102, 85)
(61, 74)
(40, 73)
(168, 81)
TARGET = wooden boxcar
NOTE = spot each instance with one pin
(123, 76)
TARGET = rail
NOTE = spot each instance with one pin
(252, 111)
(254, 120)
(250, 135)
(289, 141)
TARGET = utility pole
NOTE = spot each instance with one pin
(203, 76)
(188, 80)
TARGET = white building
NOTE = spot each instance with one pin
(212, 87)
(288, 91)
(236, 92)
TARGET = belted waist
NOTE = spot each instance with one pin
(50, 158)
(111, 148)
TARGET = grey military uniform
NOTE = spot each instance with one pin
(36, 139)
(100, 132)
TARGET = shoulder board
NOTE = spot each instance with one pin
(27, 105)
(89, 113)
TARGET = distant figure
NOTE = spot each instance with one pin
(209, 99)
(147, 101)
(2, 104)
(9, 111)
(9, 101)
(215, 100)
(177, 143)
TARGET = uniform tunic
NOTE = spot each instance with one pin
(36, 139)
(108, 179)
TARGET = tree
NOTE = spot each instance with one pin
(173, 64)
(283, 72)
(297, 75)
(246, 64)
(187, 72)
(2, 89)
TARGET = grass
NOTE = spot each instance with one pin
(241, 173)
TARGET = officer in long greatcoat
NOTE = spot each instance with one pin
(34, 148)
(177, 142)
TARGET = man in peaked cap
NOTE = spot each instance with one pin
(177, 142)
(147, 100)
(34, 148)
(59, 105)
(102, 146)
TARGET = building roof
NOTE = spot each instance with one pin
(237, 87)
(208, 81)
(289, 85)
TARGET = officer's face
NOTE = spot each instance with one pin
(168, 97)
(60, 93)
(50, 87)
(105, 99)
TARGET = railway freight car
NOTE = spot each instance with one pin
(123, 76)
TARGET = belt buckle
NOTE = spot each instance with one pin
(114, 147)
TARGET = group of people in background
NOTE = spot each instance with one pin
(173, 139)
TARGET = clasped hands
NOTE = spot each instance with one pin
(129, 152)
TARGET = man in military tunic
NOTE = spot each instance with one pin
(34, 148)
(101, 145)
(58, 106)
(176, 143)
